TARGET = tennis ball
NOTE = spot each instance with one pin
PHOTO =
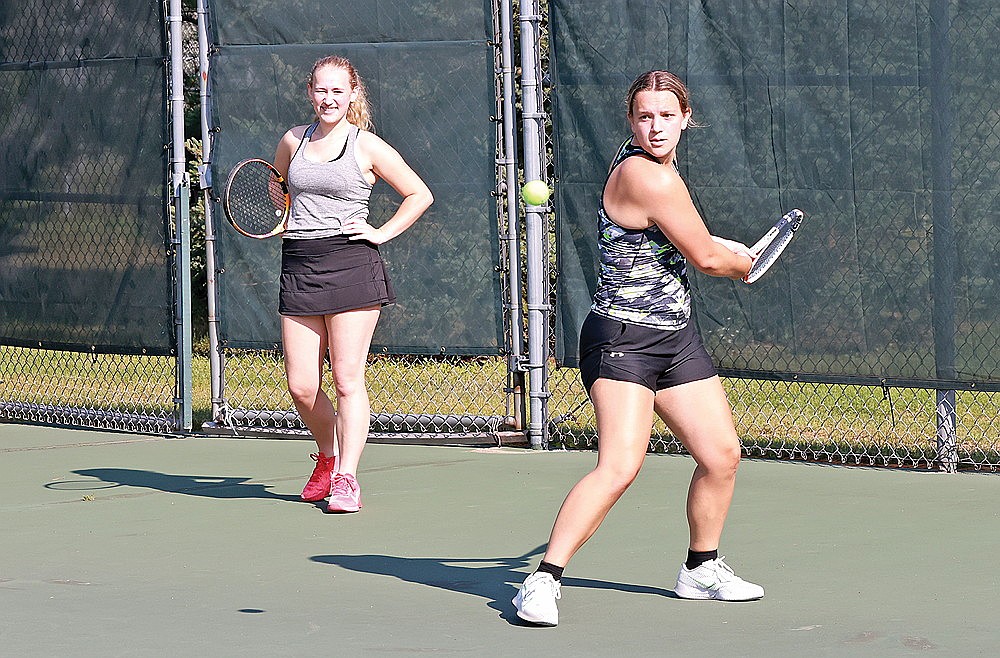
(535, 192)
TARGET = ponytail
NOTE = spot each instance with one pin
(359, 112)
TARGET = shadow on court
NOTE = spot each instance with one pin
(208, 486)
(484, 578)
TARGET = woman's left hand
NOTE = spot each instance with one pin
(734, 246)
(359, 229)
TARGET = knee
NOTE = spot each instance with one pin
(723, 463)
(618, 478)
(348, 386)
(302, 392)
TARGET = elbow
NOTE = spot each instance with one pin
(724, 264)
(418, 201)
(711, 265)
(424, 199)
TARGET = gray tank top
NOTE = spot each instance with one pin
(325, 194)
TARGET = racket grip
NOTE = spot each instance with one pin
(753, 259)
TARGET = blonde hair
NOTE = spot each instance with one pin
(359, 113)
(659, 80)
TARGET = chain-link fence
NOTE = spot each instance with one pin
(835, 423)
(127, 392)
(425, 398)
(86, 280)
(875, 341)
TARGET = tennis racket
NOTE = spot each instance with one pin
(256, 200)
(766, 250)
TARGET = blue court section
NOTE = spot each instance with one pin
(119, 544)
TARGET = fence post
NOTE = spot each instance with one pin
(533, 128)
(944, 256)
(947, 439)
(215, 359)
(515, 364)
(180, 186)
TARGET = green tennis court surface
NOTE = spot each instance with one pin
(117, 544)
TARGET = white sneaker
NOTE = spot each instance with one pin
(536, 600)
(715, 580)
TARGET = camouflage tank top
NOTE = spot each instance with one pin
(643, 277)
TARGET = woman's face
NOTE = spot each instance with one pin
(331, 93)
(657, 122)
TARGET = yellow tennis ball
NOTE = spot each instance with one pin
(535, 192)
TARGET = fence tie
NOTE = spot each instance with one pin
(887, 395)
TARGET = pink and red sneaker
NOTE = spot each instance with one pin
(345, 494)
(318, 486)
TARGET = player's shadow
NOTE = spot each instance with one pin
(493, 579)
(207, 486)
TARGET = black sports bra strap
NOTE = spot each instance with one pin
(305, 137)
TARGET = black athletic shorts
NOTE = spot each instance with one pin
(654, 358)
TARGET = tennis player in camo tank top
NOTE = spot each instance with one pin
(333, 281)
(640, 354)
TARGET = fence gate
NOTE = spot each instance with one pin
(89, 295)
(442, 364)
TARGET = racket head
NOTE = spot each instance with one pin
(256, 200)
(768, 248)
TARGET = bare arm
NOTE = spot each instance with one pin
(385, 163)
(734, 246)
(642, 193)
(286, 148)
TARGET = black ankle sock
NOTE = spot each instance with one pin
(695, 558)
(556, 572)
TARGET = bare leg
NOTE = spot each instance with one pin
(624, 421)
(304, 342)
(699, 415)
(350, 338)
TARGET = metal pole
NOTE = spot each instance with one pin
(944, 257)
(215, 358)
(182, 225)
(947, 439)
(509, 162)
(533, 128)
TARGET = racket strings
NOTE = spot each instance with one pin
(773, 243)
(769, 254)
(277, 192)
(256, 199)
(773, 250)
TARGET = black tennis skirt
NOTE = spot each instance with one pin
(331, 275)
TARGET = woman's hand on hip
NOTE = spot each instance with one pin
(359, 229)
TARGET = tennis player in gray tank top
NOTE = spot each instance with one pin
(326, 194)
(333, 280)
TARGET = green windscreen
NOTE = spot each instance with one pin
(429, 70)
(84, 252)
(877, 119)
